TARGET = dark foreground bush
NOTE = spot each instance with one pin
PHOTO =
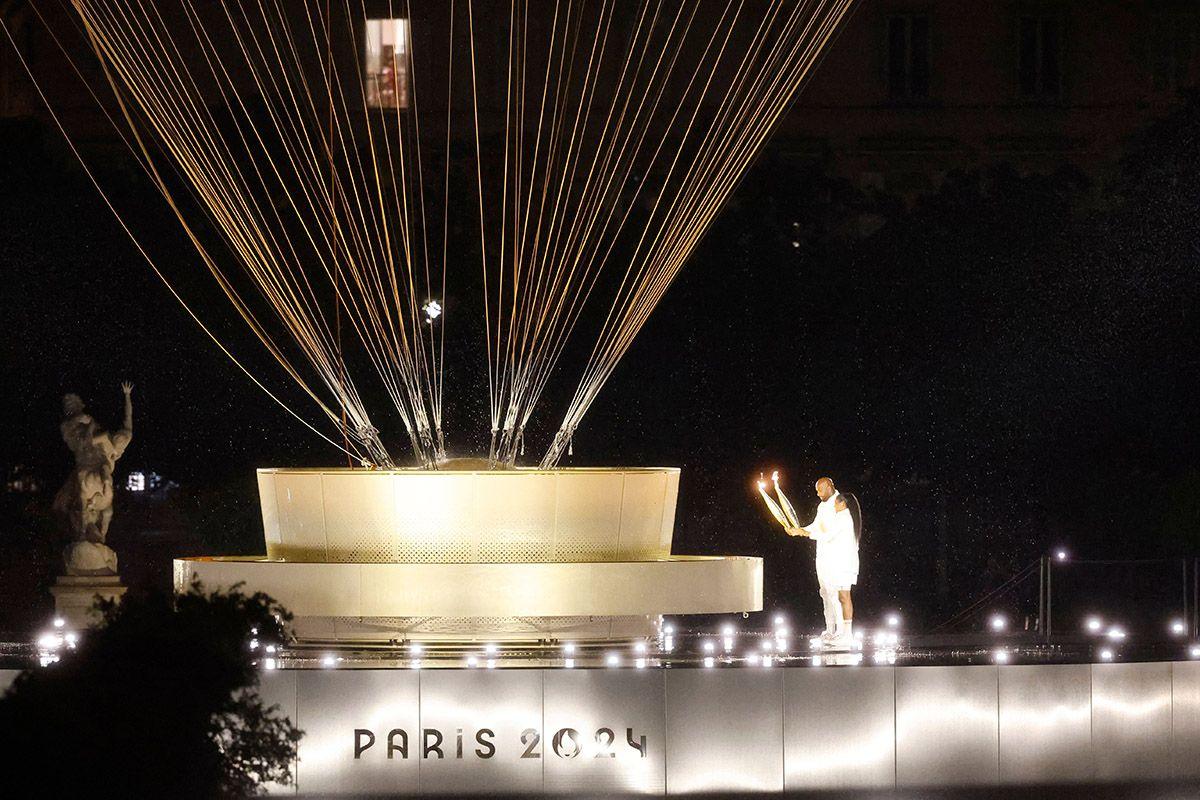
(160, 701)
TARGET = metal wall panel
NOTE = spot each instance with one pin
(1045, 723)
(270, 509)
(724, 730)
(947, 726)
(603, 716)
(839, 728)
(1185, 719)
(333, 705)
(1131, 721)
(506, 703)
(299, 517)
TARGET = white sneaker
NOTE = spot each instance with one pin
(828, 636)
(840, 642)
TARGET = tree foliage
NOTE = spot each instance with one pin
(159, 701)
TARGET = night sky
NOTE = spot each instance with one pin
(1003, 366)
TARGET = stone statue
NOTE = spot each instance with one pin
(86, 499)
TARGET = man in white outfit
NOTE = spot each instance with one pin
(824, 531)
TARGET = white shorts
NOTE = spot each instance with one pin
(839, 577)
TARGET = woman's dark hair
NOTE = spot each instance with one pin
(855, 510)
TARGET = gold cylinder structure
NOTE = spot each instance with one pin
(473, 553)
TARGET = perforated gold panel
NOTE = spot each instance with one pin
(360, 516)
(512, 516)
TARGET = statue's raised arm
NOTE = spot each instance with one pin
(122, 437)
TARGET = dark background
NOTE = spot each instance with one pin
(1000, 363)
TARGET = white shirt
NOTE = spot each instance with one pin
(822, 529)
(841, 551)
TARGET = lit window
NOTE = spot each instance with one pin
(908, 61)
(1039, 68)
(386, 57)
(136, 482)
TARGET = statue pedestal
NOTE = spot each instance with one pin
(75, 597)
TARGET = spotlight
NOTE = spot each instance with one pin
(491, 663)
(709, 646)
(1178, 628)
(727, 630)
(708, 662)
(1060, 554)
(569, 663)
(779, 620)
(1000, 656)
(1106, 655)
(767, 661)
(814, 643)
(766, 645)
(612, 660)
(328, 661)
(269, 663)
(893, 638)
(668, 629)
(491, 649)
(893, 620)
(472, 662)
(569, 648)
(270, 648)
(752, 659)
(1094, 624)
(416, 664)
(1194, 651)
(998, 622)
(432, 309)
(49, 641)
(415, 649)
(640, 663)
(640, 647)
(1115, 633)
(59, 622)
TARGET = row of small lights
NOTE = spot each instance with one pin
(778, 643)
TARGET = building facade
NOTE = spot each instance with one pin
(909, 90)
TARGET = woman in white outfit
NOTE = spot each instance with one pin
(836, 529)
(842, 558)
